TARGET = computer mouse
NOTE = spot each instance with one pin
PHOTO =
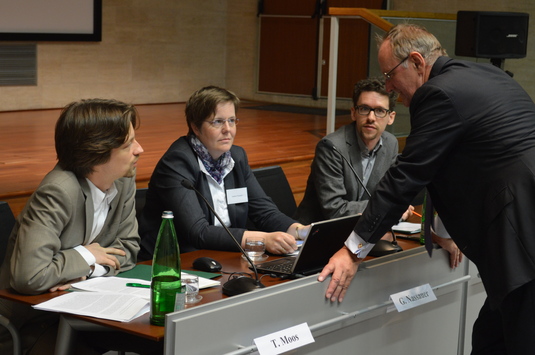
(384, 247)
(206, 264)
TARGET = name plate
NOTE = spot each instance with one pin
(413, 298)
(284, 340)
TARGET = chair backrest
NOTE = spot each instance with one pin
(275, 185)
(141, 195)
(7, 221)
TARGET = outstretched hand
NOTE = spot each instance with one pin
(343, 266)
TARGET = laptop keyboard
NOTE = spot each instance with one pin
(282, 266)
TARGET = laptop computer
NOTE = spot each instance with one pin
(323, 240)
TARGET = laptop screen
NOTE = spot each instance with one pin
(323, 240)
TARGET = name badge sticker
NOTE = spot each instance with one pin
(284, 340)
(413, 298)
(237, 195)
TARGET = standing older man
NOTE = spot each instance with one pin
(472, 143)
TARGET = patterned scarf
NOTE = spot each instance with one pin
(216, 168)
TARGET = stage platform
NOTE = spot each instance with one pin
(284, 136)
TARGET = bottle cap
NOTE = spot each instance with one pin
(167, 214)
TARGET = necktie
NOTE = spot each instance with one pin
(429, 214)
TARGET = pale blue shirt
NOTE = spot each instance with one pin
(368, 159)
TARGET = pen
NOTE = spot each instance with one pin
(137, 285)
(416, 213)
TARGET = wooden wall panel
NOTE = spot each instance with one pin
(288, 51)
(288, 7)
(289, 48)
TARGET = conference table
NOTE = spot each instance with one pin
(232, 262)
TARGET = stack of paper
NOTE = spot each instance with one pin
(108, 298)
(105, 305)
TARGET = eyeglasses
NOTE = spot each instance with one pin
(388, 74)
(379, 111)
(219, 123)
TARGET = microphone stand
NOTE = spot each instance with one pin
(394, 241)
(237, 285)
(331, 145)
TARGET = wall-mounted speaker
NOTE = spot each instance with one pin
(487, 34)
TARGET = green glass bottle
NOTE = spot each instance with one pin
(165, 271)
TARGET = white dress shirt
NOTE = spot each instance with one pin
(101, 207)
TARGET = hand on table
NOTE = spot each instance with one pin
(65, 286)
(343, 266)
(449, 245)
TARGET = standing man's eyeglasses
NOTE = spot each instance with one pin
(388, 74)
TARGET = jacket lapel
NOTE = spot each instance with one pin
(353, 149)
(89, 210)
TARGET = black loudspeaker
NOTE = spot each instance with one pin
(486, 34)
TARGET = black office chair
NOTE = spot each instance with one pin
(275, 185)
(141, 195)
(7, 221)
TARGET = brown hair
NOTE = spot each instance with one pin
(88, 130)
(374, 85)
(203, 104)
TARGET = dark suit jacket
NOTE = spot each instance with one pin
(192, 218)
(332, 188)
(472, 143)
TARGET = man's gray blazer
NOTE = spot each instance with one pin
(332, 188)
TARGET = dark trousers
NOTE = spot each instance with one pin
(510, 329)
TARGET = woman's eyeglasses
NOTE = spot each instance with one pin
(218, 123)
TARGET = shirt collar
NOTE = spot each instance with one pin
(364, 149)
(99, 196)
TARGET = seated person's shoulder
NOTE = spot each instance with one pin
(236, 149)
(60, 179)
(389, 136)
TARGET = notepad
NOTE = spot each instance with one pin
(407, 228)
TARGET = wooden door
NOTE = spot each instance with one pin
(289, 47)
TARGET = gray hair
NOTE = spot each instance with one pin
(406, 38)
